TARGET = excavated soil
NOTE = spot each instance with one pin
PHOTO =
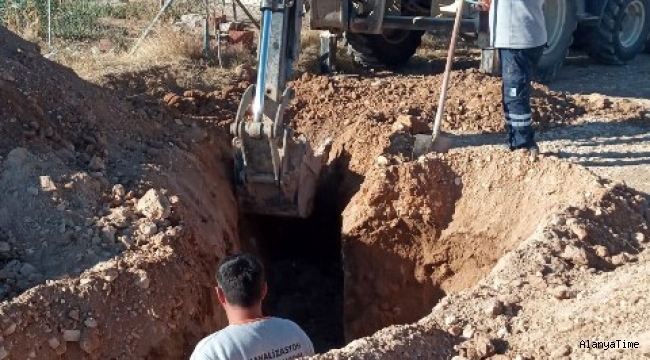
(109, 232)
(114, 210)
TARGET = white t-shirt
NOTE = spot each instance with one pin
(267, 339)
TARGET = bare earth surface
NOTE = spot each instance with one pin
(116, 204)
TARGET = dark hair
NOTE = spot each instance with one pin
(241, 277)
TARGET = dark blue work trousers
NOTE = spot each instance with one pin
(517, 67)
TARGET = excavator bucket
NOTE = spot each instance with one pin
(275, 173)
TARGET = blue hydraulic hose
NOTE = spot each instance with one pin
(265, 35)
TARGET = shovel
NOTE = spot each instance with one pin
(438, 142)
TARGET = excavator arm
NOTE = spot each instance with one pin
(276, 173)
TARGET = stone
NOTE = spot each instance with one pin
(90, 323)
(10, 329)
(142, 281)
(455, 330)
(484, 347)
(381, 160)
(118, 192)
(71, 335)
(154, 205)
(96, 164)
(601, 251)
(561, 351)
(557, 220)
(104, 45)
(469, 331)
(398, 126)
(47, 184)
(562, 292)
(74, 315)
(450, 320)
(412, 124)
(599, 102)
(640, 237)
(230, 25)
(576, 255)
(4, 247)
(108, 233)
(579, 231)
(54, 343)
(27, 269)
(17, 156)
(503, 332)
(620, 259)
(493, 308)
(148, 228)
(126, 241)
(3, 353)
(192, 20)
(120, 217)
(110, 274)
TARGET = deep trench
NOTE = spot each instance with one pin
(303, 265)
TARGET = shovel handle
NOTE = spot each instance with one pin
(445, 80)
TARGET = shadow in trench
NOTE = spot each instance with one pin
(302, 259)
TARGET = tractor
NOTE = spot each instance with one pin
(383, 33)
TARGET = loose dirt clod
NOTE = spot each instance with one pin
(154, 205)
(71, 335)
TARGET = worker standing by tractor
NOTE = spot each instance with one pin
(518, 32)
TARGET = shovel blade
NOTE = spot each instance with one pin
(424, 144)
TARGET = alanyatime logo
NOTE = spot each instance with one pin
(616, 344)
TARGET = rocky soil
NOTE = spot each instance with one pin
(116, 204)
(99, 229)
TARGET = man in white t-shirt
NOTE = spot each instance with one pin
(250, 335)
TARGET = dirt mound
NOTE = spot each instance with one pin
(555, 261)
(329, 104)
(418, 231)
(369, 116)
(103, 218)
(373, 117)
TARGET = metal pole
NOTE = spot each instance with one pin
(206, 32)
(150, 27)
(49, 23)
(250, 16)
(265, 36)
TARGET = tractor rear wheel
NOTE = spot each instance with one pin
(561, 23)
(622, 33)
(392, 48)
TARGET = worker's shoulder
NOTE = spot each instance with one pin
(285, 323)
(210, 339)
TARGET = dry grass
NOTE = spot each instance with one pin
(178, 52)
